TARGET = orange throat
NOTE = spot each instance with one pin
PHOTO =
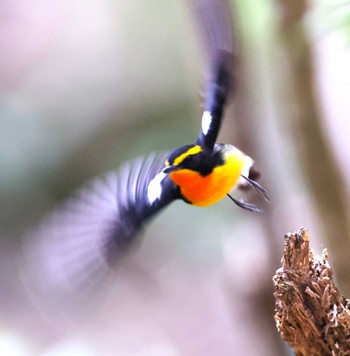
(207, 190)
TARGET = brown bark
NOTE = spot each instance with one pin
(311, 315)
(320, 167)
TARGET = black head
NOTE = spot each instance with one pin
(193, 157)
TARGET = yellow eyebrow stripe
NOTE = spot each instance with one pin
(193, 150)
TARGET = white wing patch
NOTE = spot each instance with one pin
(154, 190)
(206, 122)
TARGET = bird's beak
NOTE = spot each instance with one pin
(170, 169)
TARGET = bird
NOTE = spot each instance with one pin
(84, 238)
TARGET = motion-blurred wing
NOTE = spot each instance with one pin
(216, 97)
(75, 248)
(215, 24)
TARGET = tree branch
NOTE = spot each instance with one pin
(310, 313)
(321, 170)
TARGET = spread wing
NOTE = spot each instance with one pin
(215, 100)
(73, 252)
(215, 24)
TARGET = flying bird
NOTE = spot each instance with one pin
(82, 240)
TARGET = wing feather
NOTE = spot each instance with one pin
(71, 255)
(216, 27)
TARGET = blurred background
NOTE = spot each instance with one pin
(86, 85)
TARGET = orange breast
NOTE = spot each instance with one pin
(208, 190)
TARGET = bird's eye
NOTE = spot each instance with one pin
(189, 159)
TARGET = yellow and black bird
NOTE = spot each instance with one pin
(86, 235)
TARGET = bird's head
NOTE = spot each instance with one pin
(193, 158)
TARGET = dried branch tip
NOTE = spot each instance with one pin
(310, 313)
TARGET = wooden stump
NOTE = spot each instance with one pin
(311, 315)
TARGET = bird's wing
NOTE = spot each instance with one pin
(74, 250)
(215, 99)
(215, 24)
